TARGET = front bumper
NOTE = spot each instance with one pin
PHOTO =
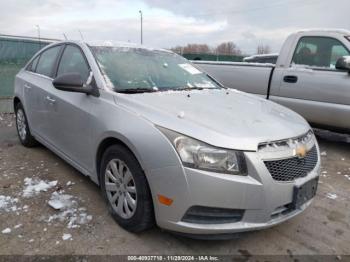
(258, 194)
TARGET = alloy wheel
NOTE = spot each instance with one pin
(21, 124)
(120, 188)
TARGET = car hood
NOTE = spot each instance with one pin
(223, 118)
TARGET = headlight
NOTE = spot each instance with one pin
(199, 155)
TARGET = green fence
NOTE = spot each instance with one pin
(14, 54)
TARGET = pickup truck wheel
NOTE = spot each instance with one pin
(22, 126)
(125, 188)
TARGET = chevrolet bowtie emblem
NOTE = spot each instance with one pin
(300, 151)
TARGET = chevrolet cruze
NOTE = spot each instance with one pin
(167, 143)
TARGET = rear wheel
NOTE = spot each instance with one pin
(23, 131)
(126, 190)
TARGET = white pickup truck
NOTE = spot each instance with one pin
(311, 76)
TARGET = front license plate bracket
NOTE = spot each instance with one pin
(304, 193)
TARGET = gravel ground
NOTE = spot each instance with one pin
(29, 179)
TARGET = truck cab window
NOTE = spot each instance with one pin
(319, 52)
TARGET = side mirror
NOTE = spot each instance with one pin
(343, 63)
(73, 82)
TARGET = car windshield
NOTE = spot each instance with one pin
(142, 70)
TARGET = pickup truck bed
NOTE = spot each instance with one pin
(240, 75)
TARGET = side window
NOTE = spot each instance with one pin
(47, 61)
(73, 61)
(33, 64)
(320, 52)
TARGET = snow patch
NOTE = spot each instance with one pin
(181, 114)
(35, 186)
(69, 210)
(70, 183)
(17, 226)
(332, 196)
(8, 203)
(61, 201)
(66, 236)
(6, 231)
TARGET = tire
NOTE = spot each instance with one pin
(128, 195)
(22, 126)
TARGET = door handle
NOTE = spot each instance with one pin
(290, 79)
(51, 101)
(27, 86)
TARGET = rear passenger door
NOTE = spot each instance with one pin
(313, 87)
(37, 83)
(70, 118)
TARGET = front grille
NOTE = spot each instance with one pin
(212, 215)
(292, 168)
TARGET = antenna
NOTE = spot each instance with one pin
(65, 37)
(81, 35)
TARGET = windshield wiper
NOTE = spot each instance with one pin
(185, 88)
(136, 90)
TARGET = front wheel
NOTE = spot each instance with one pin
(126, 190)
(23, 131)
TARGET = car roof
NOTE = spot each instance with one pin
(114, 44)
(325, 30)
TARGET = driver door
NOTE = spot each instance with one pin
(313, 87)
(70, 113)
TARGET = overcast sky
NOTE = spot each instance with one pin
(168, 23)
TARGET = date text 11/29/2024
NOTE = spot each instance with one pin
(173, 258)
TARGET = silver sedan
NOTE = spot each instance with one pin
(167, 143)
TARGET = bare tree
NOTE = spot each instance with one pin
(177, 49)
(227, 48)
(263, 49)
(196, 49)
